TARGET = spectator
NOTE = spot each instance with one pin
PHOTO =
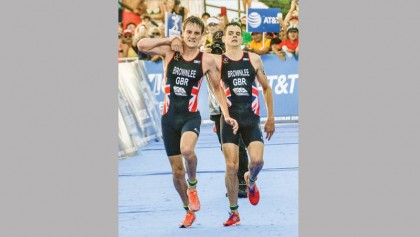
(155, 33)
(223, 19)
(131, 11)
(246, 4)
(246, 36)
(175, 7)
(147, 20)
(131, 26)
(290, 46)
(128, 49)
(282, 34)
(257, 44)
(274, 38)
(142, 31)
(156, 11)
(213, 25)
(120, 44)
(162, 30)
(292, 17)
(204, 17)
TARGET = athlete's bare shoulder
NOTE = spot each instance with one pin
(169, 55)
(255, 60)
(253, 56)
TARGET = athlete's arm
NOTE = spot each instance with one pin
(213, 74)
(268, 95)
(218, 61)
(161, 46)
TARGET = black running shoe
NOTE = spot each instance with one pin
(242, 189)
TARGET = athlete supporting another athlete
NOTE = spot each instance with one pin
(240, 71)
(185, 66)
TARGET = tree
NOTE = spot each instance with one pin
(284, 5)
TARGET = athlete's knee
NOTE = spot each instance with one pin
(232, 166)
(178, 173)
(256, 161)
(187, 152)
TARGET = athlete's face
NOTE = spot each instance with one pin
(192, 35)
(233, 36)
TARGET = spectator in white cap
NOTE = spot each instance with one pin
(290, 46)
(213, 25)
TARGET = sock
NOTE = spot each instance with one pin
(192, 184)
(234, 209)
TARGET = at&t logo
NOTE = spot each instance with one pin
(254, 19)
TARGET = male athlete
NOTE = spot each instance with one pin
(185, 66)
(240, 71)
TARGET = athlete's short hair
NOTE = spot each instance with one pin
(193, 20)
(234, 23)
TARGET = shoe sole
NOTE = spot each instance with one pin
(183, 226)
(237, 223)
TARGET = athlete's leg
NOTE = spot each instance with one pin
(243, 167)
(190, 132)
(256, 152)
(243, 162)
(243, 155)
(188, 141)
(230, 152)
(171, 139)
(178, 177)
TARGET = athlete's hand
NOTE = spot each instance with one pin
(232, 122)
(269, 128)
(176, 44)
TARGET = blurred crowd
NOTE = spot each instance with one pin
(146, 19)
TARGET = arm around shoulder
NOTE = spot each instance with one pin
(155, 46)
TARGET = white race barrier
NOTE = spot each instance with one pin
(138, 114)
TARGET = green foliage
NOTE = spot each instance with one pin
(284, 5)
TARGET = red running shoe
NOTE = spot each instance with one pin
(193, 201)
(233, 219)
(188, 221)
(253, 192)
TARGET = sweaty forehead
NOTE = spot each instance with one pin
(233, 29)
(193, 27)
